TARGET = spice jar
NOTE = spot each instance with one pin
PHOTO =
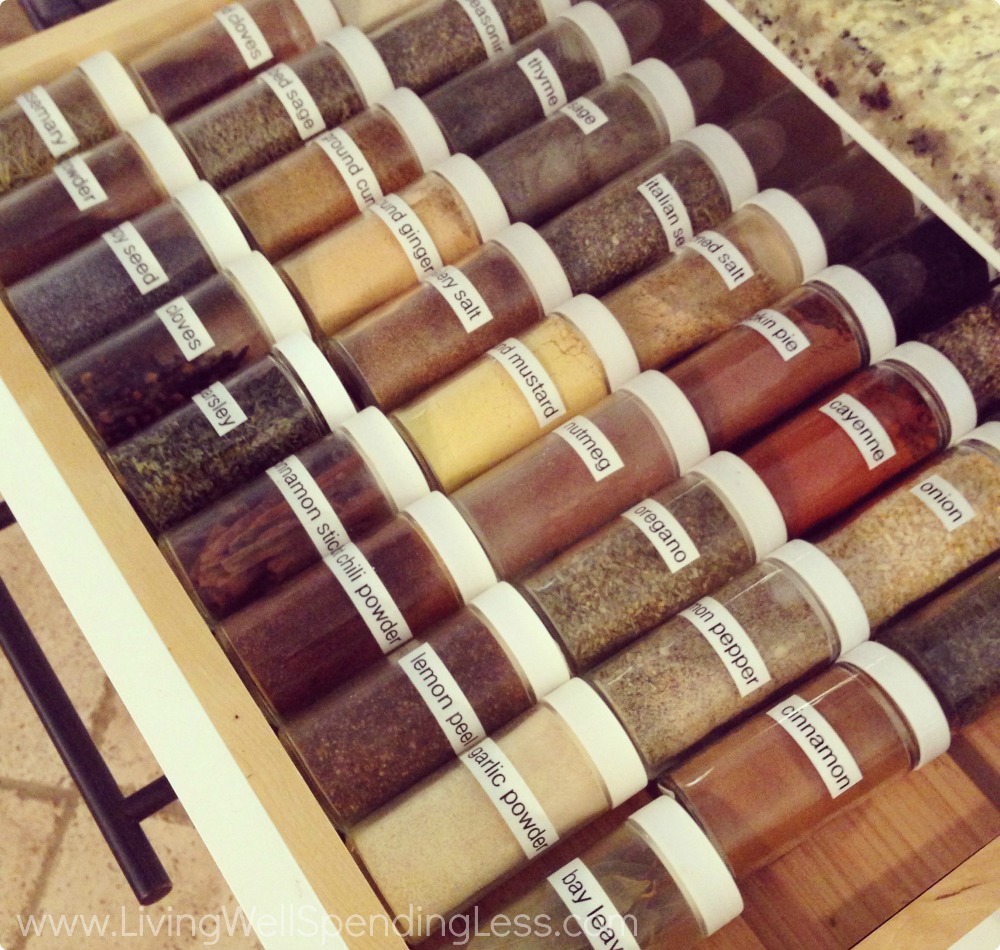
(200, 64)
(883, 420)
(413, 711)
(338, 174)
(656, 558)
(395, 243)
(134, 268)
(583, 473)
(86, 194)
(343, 614)
(230, 432)
(256, 124)
(522, 388)
(500, 805)
(455, 315)
(74, 112)
(305, 507)
(777, 778)
(131, 378)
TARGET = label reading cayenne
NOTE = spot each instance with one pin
(862, 428)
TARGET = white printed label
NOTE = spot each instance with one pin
(531, 378)
(945, 500)
(465, 301)
(669, 209)
(369, 595)
(587, 114)
(186, 328)
(298, 103)
(731, 642)
(816, 737)
(80, 183)
(862, 428)
(598, 918)
(724, 256)
(409, 230)
(787, 339)
(245, 34)
(665, 533)
(48, 121)
(218, 406)
(134, 255)
(511, 796)
(544, 80)
(350, 161)
(488, 23)
(592, 445)
(445, 699)
(309, 505)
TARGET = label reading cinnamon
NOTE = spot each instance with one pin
(786, 338)
(80, 183)
(409, 230)
(186, 328)
(596, 916)
(134, 255)
(669, 209)
(220, 408)
(309, 505)
(488, 24)
(461, 295)
(531, 378)
(862, 428)
(724, 256)
(725, 635)
(296, 100)
(544, 80)
(945, 500)
(245, 34)
(586, 114)
(592, 445)
(354, 168)
(665, 533)
(48, 121)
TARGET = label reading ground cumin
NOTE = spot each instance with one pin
(862, 428)
(725, 634)
(485, 17)
(592, 445)
(544, 80)
(50, 124)
(245, 34)
(312, 509)
(353, 167)
(411, 234)
(665, 533)
(724, 256)
(80, 183)
(296, 100)
(945, 501)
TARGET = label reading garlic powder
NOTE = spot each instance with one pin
(459, 293)
(308, 503)
(665, 533)
(669, 209)
(786, 338)
(862, 428)
(531, 378)
(353, 167)
(186, 328)
(544, 80)
(592, 445)
(80, 183)
(46, 119)
(245, 34)
(409, 230)
(488, 23)
(725, 635)
(724, 256)
(134, 255)
(596, 915)
(586, 114)
(945, 500)
(296, 99)
(220, 408)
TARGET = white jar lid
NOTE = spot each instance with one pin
(388, 455)
(749, 497)
(941, 374)
(601, 31)
(988, 432)
(669, 94)
(363, 62)
(554, 8)
(317, 378)
(215, 225)
(725, 155)
(867, 305)
(675, 416)
(910, 694)
(533, 255)
(112, 83)
(524, 635)
(162, 153)
(455, 544)
(691, 860)
(418, 125)
(320, 16)
(832, 589)
(477, 191)
(602, 736)
(267, 294)
(798, 225)
(605, 336)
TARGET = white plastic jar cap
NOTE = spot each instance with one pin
(526, 638)
(418, 125)
(909, 693)
(749, 497)
(266, 293)
(217, 229)
(162, 153)
(832, 589)
(602, 736)
(115, 88)
(675, 416)
(453, 540)
(477, 191)
(603, 34)
(727, 158)
(539, 263)
(691, 860)
(867, 305)
(320, 17)
(317, 377)
(554, 8)
(668, 92)
(798, 225)
(605, 336)
(388, 456)
(988, 432)
(948, 383)
(363, 62)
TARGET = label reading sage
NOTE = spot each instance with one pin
(586, 114)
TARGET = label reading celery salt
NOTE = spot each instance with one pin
(725, 635)
(459, 293)
(309, 505)
(245, 34)
(586, 114)
(296, 99)
(46, 119)
(409, 230)
(220, 408)
(186, 328)
(80, 183)
(862, 428)
(592, 445)
(488, 24)
(724, 256)
(544, 80)
(531, 378)
(134, 255)
(597, 917)
(787, 339)
(665, 533)
(945, 500)
(352, 165)
(669, 209)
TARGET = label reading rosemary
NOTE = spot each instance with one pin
(186, 328)
(245, 34)
(724, 256)
(220, 408)
(352, 165)
(862, 428)
(531, 378)
(409, 230)
(134, 255)
(544, 80)
(669, 209)
(309, 505)
(725, 635)
(80, 183)
(596, 915)
(665, 533)
(586, 114)
(488, 23)
(50, 124)
(592, 445)
(461, 295)
(787, 339)
(296, 99)
(945, 500)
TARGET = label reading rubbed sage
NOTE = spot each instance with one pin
(296, 99)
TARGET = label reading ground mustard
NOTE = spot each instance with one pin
(531, 378)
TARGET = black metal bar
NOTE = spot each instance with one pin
(6, 516)
(149, 799)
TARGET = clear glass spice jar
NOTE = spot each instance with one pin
(520, 389)
(338, 617)
(417, 709)
(501, 804)
(229, 432)
(133, 268)
(300, 510)
(78, 110)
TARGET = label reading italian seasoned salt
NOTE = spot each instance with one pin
(459, 293)
(511, 796)
(488, 24)
(409, 230)
(724, 256)
(245, 34)
(862, 428)
(186, 328)
(587, 114)
(354, 168)
(592, 445)
(544, 80)
(665, 533)
(669, 209)
(821, 744)
(725, 635)
(80, 183)
(443, 697)
(220, 408)
(134, 255)
(296, 99)
(48, 121)
(597, 917)
(945, 500)
(309, 505)
(528, 374)
(786, 338)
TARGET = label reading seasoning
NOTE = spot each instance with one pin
(443, 697)
(665, 533)
(298, 103)
(816, 738)
(186, 328)
(308, 503)
(219, 408)
(586, 114)
(488, 23)
(353, 167)
(544, 80)
(592, 445)
(80, 183)
(531, 378)
(511, 797)
(465, 301)
(134, 255)
(245, 34)
(409, 230)
(724, 256)
(786, 338)
(731, 642)
(48, 121)
(862, 428)
(598, 918)
(669, 209)
(945, 500)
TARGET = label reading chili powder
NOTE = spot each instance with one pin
(786, 338)
(309, 505)
(220, 408)
(531, 378)
(186, 328)
(945, 500)
(592, 445)
(80, 183)
(488, 24)
(862, 428)
(586, 114)
(134, 255)
(50, 124)
(595, 913)
(296, 99)
(353, 167)
(725, 635)
(544, 80)
(465, 301)
(409, 230)
(665, 533)
(724, 256)
(669, 209)
(245, 34)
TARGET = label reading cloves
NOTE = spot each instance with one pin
(592, 445)
(945, 500)
(80, 183)
(308, 503)
(461, 295)
(134, 255)
(786, 338)
(409, 230)
(669, 209)
(862, 428)
(488, 23)
(220, 408)
(353, 167)
(597, 917)
(296, 99)
(724, 256)
(665, 533)
(725, 635)
(48, 121)
(245, 34)
(186, 328)
(544, 80)
(531, 378)
(586, 114)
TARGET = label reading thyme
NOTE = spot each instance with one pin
(544, 80)
(134, 255)
(488, 23)
(220, 408)
(245, 34)
(725, 634)
(862, 428)
(353, 167)
(665, 533)
(309, 505)
(186, 328)
(530, 377)
(592, 445)
(724, 256)
(598, 918)
(461, 295)
(80, 183)
(586, 114)
(945, 500)
(787, 339)
(296, 100)
(409, 230)
(50, 124)
(669, 209)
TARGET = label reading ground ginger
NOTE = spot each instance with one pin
(669, 209)
(308, 503)
(592, 445)
(544, 80)
(134, 255)
(725, 635)
(80, 183)
(586, 114)
(296, 99)
(245, 34)
(353, 167)
(220, 408)
(409, 230)
(595, 913)
(465, 301)
(665, 533)
(862, 428)
(46, 119)
(488, 23)
(531, 379)
(786, 338)
(945, 500)
(724, 256)
(186, 328)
